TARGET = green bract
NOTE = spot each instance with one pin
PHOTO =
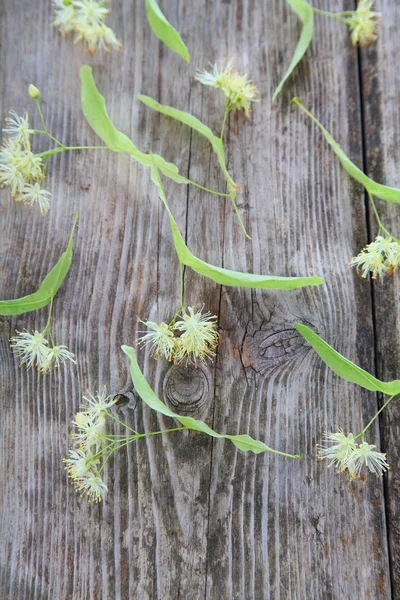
(376, 189)
(198, 126)
(164, 30)
(48, 288)
(215, 141)
(225, 276)
(94, 109)
(344, 367)
(306, 14)
(243, 442)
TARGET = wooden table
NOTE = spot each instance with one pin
(188, 517)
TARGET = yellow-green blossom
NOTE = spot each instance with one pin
(346, 455)
(32, 349)
(56, 356)
(199, 336)
(364, 24)
(365, 455)
(340, 450)
(161, 338)
(237, 90)
(382, 256)
(87, 19)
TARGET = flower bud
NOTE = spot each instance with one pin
(33, 92)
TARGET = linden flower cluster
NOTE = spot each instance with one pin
(380, 257)
(19, 167)
(187, 340)
(237, 90)
(345, 454)
(33, 350)
(85, 18)
(84, 459)
(364, 24)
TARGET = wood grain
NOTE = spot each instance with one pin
(187, 517)
(381, 87)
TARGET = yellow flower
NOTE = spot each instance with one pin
(382, 256)
(238, 91)
(364, 24)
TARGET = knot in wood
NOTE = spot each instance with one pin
(272, 346)
(187, 390)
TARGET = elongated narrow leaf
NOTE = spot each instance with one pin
(376, 189)
(344, 367)
(48, 288)
(164, 30)
(198, 126)
(215, 141)
(306, 14)
(95, 111)
(243, 442)
(225, 276)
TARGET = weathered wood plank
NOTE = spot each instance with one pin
(187, 517)
(381, 81)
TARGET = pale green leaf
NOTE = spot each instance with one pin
(306, 14)
(344, 367)
(198, 126)
(48, 288)
(225, 276)
(243, 442)
(376, 189)
(164, 30)
(95, 111)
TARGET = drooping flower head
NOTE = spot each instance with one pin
(57, 356)
(364, 24)
(18, 127)
(161, 338)
(199, 336)
(190, 337)
(365, 455)
(32, 349)
(237, 90)
(84, 462)
(380, 257)
(340, 449)
(346, 455)
(20, 168)
(87, 19)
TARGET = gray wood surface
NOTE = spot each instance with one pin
(187, 517)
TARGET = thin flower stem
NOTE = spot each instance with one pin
(378, 220)
(64, 148)
(201, 187)
(50, 136)
(235, 208)
(226, 113)
(41, 114)
(181, 286)
(120, 422)
(361, 434)
(133, 439)
(338, 16)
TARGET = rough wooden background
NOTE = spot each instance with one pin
(187, 517)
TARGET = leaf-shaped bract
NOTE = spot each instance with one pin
(198, 126)
(48, 288)
(164, 30)
(306, 14)
(95, 111)
(225, 276)
(243, 442)
(215, 141)
(344, 367)
(376, 189)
